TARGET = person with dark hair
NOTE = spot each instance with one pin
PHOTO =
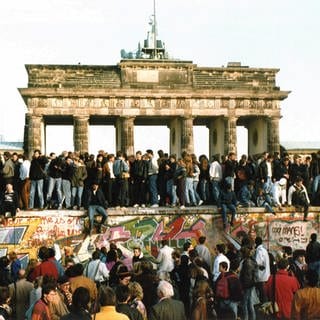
(46, 267)
(79, 308)
(10, 201)
(108, 306)
(41, 308)
(313, 254)
(203, 251)
(220, 257)
(52, 259)
(37, 176)
(5, 310)
(77, 279)
(227, 202)
(306, 301)
(137, 255)
(123, 298)
(228, 290)
(96, 203)
(139, 176)
(285, 288)
(153, 170)
(298, 196)
(96, 270)
(298, 267)
(248, 271)
(148, 280)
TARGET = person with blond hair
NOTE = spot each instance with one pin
(136, 293)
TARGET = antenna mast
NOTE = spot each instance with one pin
(152, 48)
(154, 29)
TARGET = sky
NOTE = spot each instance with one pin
(280, 34)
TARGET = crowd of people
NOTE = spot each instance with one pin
(65, 181)
(192, 283)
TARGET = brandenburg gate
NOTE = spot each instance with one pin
(175, 93)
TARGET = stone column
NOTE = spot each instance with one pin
(175, 136)
(81, 133)
(230, 137)
(216, 137)
(273, 135)
(187, 134)
(257, 135)
(33, 134)
(125, 134)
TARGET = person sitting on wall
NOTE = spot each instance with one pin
(228, 202)
(96, 203)
(9, 201)
(298, 196)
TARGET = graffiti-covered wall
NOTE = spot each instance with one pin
(146, 229)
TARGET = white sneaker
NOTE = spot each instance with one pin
(182, 207)
(136, 205)
(200, 202)
(155, 206)
(143, 205)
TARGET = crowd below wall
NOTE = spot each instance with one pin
(189, 276)
(146, 179)
(172, 284)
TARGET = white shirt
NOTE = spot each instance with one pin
(24, 170)
(96, 271)
(262, 259)
(215, 171)
(165, 259)
(110, 164)
(204, 253)
(219, 258)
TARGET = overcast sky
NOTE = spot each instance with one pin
(280, 34)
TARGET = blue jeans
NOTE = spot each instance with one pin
(36, 185)
(171, 190)
(190, 197)
(153, 189)
(76, 192)
(195, 187)
(315, 266)
(204, 190)
(229, 305)
(66, 189)
(215, 191)
(224, 210)
(100, 210)
(248, 305)
(230, 180)
(315, 185)
(54, 182)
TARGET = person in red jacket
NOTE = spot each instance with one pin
(46, 267)
(285, 288)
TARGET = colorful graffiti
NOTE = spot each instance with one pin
(27, 233)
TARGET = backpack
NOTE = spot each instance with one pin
(222, 286)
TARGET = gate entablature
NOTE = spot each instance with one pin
(178, 91)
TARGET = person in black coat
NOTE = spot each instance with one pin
(9, 201)
(96, 203)
(79, 307)
(123, 297)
